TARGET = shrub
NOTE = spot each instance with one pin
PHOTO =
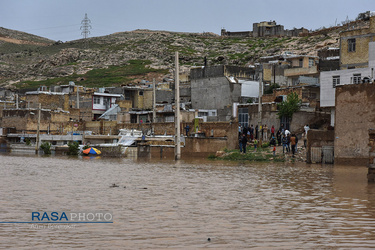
(46, 147)
(73, 148)
(27, 141)
(212, 157)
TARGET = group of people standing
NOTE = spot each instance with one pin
(284, 137)
(258, 133)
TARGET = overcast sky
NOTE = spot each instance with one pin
(61, 19)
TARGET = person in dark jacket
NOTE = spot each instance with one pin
(278, 136)
(244, 143)
(284, 141)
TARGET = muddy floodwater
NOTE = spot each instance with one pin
(189, 204)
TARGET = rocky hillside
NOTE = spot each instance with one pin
(29, 61)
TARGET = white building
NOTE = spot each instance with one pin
(101, 102)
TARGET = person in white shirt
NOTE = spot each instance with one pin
(287, 132)
(307, 128)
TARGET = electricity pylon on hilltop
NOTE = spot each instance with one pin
(85, 27)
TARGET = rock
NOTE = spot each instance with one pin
(219, 153)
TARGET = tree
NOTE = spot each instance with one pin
(289, 107)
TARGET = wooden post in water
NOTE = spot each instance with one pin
(177, 151)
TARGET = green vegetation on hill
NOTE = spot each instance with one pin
(111, 76)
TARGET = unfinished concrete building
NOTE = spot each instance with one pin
(217, 88)
(265, 29)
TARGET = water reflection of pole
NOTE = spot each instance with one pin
(37, 131)
(177, 110)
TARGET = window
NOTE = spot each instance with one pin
(311, 62)
(356, 78)
(335, 81)
(96, 100)
(140, 93)
(301, 63)
(128, 95)
(169, 119)
(201, 114)
(351, 45)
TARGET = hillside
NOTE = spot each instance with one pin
(125, 57)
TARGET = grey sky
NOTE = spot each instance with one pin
(61, 19)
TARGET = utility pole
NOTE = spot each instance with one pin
(77, 98)
(85, 27)
(260, 104)
(177, 148)
(153, 106)
(37, 132)
(153, 102)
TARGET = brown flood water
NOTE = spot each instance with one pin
(236, 205)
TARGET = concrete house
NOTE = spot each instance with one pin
(357, 63)
(290, 70)
(101, 102)
(218, 88)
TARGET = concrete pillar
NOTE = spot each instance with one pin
(177, 111)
